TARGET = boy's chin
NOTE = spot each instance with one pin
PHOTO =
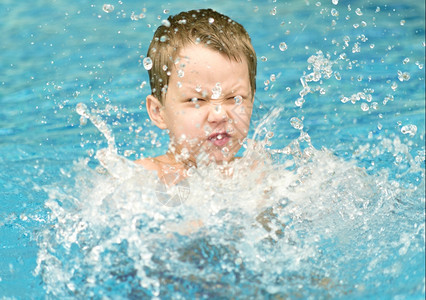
(217, 156)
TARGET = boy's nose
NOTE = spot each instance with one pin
(217, 113)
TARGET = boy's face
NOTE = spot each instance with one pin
(208, 104)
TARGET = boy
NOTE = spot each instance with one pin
(203, 85)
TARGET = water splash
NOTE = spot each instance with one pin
(321, 68)
(296, 227)
(99, 123)
(283, 222)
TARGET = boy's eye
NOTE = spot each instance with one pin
(195, 100)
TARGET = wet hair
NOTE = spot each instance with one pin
(205, 27)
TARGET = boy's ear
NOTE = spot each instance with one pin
(153, 106)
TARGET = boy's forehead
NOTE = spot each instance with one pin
(193, 59)
(206, 71)
(204, 56)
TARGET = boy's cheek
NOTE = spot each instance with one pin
(242, 116)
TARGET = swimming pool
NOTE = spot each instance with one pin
(345, 204)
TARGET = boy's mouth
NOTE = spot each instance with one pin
(219, 138)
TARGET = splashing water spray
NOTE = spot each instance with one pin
(321, 68)
(118, 166)
(100, 124)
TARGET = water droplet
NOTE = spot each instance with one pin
(368, 98)
(263, 58)
(358, 12)
(283, 46)
(409, 129)
(406, 61)
(225, 151)
(195, 101)
(335, 2)
(346, 39)
(198, 89)
(337, 75)
(387, 99)
(272, 77)
(216, 91)
(299, 102)
(238, 99)
(362, 37)
(83, 121)
(127, 153)
(394, 86)
(344, 99)
(108, 8)
(165, 68)
(364, 106)
(165, 23)
(147, 63)
(273, 12)
(403, 76)
(166, 11)
(296, 123)
(211, 20)
(180, 73)
(356, 48)
(334, 12)
(81, 109)
(377, 9)
(402, 22)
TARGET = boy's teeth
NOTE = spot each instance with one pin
(219, 137)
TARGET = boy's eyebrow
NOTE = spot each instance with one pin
(237, 89)
(188, 91)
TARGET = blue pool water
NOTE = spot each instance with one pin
(337, 209)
